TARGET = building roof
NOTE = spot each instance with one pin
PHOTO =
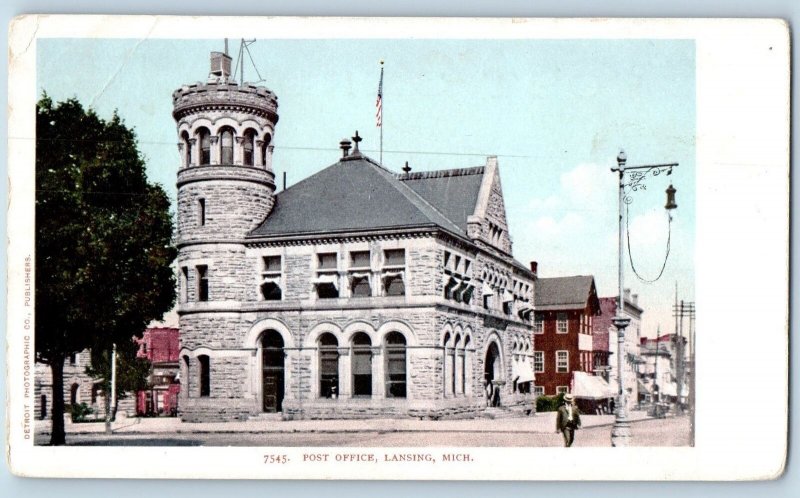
(453, 192)
(357, 194)
(564, 293)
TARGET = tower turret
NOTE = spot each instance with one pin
(225, 130)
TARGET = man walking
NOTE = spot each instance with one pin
(568, 419)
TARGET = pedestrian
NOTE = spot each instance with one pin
(568, 419)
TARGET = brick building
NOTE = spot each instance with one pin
(160, 345)
(633, 333)
(565, 309)
(357, 292)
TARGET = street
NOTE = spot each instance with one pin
(672, 431)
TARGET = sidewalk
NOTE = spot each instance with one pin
(541, 423)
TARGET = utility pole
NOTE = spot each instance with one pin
(681, 311)
(112, 408)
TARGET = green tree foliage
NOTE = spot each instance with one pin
(103, 239)
(132, 372)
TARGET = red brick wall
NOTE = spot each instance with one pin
(550, 341)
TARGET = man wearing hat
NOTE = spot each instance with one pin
(568, 419)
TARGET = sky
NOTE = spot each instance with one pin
(555, 112)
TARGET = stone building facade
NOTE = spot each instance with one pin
(358, 292)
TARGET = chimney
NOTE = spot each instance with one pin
(635, 299)
(628, 295)
(534, 267)
(220, 66)
(345, 146)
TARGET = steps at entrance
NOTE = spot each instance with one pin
(267, 417)
(500, 412)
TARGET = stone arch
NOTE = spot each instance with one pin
(312, 336)
(253, 336)
(398, 326)
(252, 341)
(360, 326)
(226, 122)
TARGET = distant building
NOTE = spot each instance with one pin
(633, 333)
(658, 371)
(565, 310)
(161, 346)
(357, 292)
(79, 388)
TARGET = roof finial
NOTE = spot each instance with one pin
(407, 168)
(356, 139)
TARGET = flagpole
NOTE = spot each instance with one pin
(379, 113)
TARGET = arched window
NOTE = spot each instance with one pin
(362, 365)
(328, 366)
(43, 405)
(248, 147)
(185, 373)
(187, 149)
(226, 146)
(447, 366)
(395, 344)
(204, 139)
(205, 375)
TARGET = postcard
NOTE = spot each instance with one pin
(373, 248)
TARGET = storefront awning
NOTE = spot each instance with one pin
(522, 371)
(588, 386)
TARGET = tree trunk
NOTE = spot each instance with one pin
(57, 433)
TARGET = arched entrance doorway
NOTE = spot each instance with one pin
(491, 369)
(492, 373)
(272, 362)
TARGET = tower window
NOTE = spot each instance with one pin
(202, 282)
(184, 284)
(226, 146)
(201, 211)
(248, 147)
(205, 145)
(187, 149)
(265, 150)
(205, 375)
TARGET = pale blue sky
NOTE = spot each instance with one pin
(555, 112)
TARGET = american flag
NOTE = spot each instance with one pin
(379, 102)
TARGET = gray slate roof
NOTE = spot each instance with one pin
(563, 293)
(357, 194)
(454, 192)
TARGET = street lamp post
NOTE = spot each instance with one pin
(621, 431)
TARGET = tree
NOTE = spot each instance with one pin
(103, 239)
(132, 371)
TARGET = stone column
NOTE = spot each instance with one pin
(378, 373)
(238, 151)
(258, 158)
(181, 151)
(193, 152)
(345, 381)
(215, 152)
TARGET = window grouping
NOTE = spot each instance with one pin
(362, 366)
(361, 279)
(495, 234)
(522, 368)
(457, 363)
(458, 283)
(226, 147)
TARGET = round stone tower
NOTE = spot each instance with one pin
(225, 189)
